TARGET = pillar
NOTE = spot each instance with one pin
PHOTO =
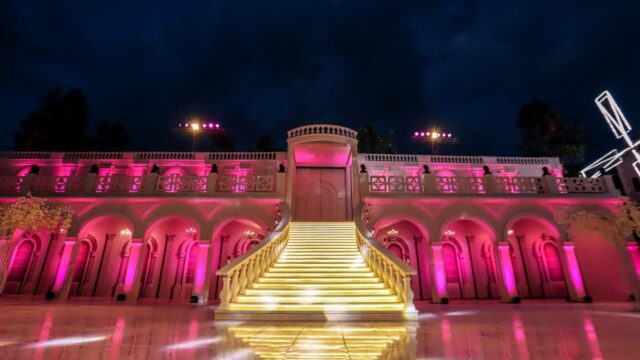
(281, 186)
(439, 280)
(28, 183)
(212, 180)
(66, 267)
(91, 184)
(363, 179)
(150, 182)
(489, 184)
(203, 270)
(131, 284)
(634, 253)
(575, 284)
(551, 184)
(508, 289)
(5, 259)
(429, 184)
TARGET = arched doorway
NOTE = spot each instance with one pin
(536, 259)
(469, 260)
(80, 285)
(405, 240)
(232, 239)
(20, 267)
(147, 269)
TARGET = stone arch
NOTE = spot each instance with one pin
(473, 239)
(539, 271)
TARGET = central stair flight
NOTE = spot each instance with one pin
(319, 275)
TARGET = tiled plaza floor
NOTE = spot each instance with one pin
(479, 330)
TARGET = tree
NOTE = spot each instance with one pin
(372, 143)
(59, 124)
(545, 133)
(111, 136)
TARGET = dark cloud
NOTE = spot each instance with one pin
(266, 66)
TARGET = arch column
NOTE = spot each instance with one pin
(572, 273)
(132, 276)
(505, 273)
(5, 259)
(64, 272)
(203, 272)
(438, 278)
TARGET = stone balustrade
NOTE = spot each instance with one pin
(241, 272)
(488, 184)
(148, 184)
(395, 273)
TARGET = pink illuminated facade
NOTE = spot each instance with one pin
(157, 225)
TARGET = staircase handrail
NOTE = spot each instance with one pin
(243, 270)
(394, 272)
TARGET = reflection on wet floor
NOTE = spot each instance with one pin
(456, 331)
(326, 341)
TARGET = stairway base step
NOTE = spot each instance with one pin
(315, 315)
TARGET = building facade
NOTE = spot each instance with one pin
(158, 226)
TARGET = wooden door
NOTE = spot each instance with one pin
(320, 194)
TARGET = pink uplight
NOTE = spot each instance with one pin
(507, 270)
(441, 283)
(63, 266)
(132, 266)
(574, 269)
(201, 268)
(634, 254)
(217, 126)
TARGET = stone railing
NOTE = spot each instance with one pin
(322, 129)
(395, 273)
(153, 184)
(488, 184)
(490, 161)
(242, 271)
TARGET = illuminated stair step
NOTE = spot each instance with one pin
(318, 286)
(319, 261)
(336, 255)
(344, 274)
(305, 264)
(324, 280)
(318, 307)
(316, 299)
(322, 270)
(318, 292)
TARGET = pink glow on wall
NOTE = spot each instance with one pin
(132, 266)
(438, 266)
(201, 268)
(507, 270)
(634, 254)
(574, 269)
(63, 266)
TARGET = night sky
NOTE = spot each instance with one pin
(267, 66)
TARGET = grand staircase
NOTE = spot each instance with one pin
(319, 275)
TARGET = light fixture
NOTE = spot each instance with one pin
(509, 232)
(449, 233)
(392, 232)
(191, 231)
(125, 233)
(249, 234)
